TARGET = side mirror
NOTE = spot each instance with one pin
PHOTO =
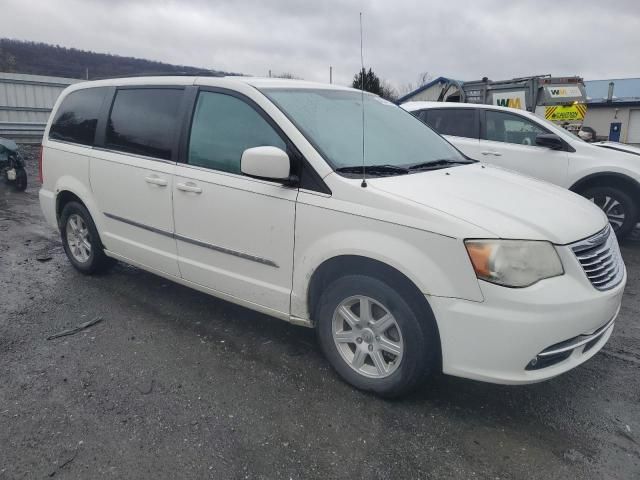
(549, 140)
(268, 163)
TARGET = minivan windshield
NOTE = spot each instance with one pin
(395, 141)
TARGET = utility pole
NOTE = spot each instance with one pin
(86, 73)
(330, 74)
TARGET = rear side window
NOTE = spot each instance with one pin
(223, 127)
(144, 121)
(459, 122)
(77, 116)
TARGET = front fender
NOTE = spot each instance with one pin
(437, 265)
(590, 161)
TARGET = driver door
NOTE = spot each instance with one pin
(509, 141)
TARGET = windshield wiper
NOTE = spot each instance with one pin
(374, 169)
(435, 164)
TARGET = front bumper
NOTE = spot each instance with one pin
(518, 336)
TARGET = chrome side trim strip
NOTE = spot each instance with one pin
(235, 253)
(139, 225)
(579, 340)
(246, 256)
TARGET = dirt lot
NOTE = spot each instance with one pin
(176, 384)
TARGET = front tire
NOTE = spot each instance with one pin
(618, 205)
(81, 241)
(375, 338)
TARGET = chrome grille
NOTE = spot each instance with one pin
(600, 258)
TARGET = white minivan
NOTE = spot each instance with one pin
(523, 142)
(252, 190)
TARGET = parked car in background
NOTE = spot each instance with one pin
(523, 142)
(12, 166)
(588, 134)
(252, 190)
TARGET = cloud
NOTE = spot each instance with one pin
(467, 39)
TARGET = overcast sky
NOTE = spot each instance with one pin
(464, 39)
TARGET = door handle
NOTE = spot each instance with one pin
(155, 180)
(490, 152)
(189, 187)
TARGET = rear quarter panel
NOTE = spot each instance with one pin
(65, 167)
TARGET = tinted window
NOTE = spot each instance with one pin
(459, 122)
(225, 126)
(144, 121)
(510, 128)
(77, 116)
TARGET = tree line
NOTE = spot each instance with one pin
(17, 56)
(370, 82)
(36, 58)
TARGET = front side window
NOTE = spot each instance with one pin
(223, 127)
(332, 121)
(144, 121)
(77, 116)
(460, 122)
(510, 128)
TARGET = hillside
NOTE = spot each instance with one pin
(43, 59)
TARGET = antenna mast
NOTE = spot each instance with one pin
(362, 73)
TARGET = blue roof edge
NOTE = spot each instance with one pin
(424, 87)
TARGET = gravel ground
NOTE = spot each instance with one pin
(176, 384)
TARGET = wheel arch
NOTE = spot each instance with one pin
(608, 179)
(68, 188)
(62, 198)
(341, 265)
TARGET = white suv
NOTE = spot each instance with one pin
(251, 190)
(521, 141)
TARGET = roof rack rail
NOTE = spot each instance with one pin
(196, 73)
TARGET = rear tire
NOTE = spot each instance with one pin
(618, 205)
(81, 241)
(375, 338)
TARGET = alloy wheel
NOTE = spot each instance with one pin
(612, 208)
(78, 238)
(367, 336)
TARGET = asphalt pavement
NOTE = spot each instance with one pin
(173, 383)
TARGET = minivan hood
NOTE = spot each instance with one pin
(502, 202)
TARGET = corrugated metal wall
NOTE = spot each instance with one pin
(26, 102)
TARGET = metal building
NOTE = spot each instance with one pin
(26, 102)
(614, 109)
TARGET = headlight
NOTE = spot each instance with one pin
(514, 263)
